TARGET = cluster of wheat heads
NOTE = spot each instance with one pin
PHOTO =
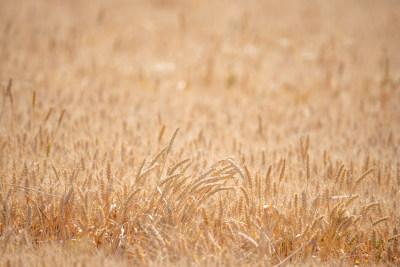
(163, 209)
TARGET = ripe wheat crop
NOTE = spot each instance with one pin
(199, 133)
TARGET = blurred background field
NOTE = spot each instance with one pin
(303, 96)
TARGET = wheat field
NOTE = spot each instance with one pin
(199, 133)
